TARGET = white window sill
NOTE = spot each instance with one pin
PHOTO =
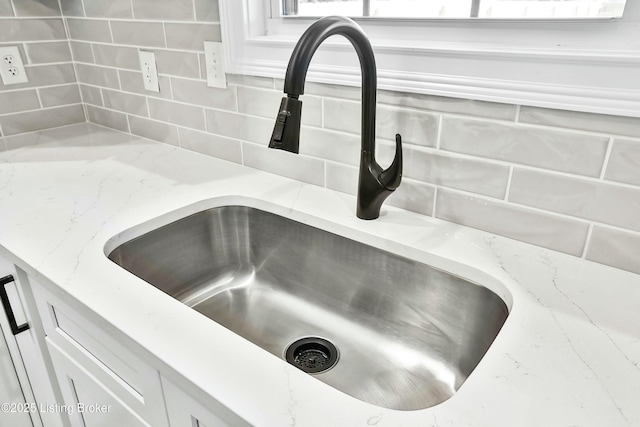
(526, 63)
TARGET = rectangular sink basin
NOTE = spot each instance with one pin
(406, 335)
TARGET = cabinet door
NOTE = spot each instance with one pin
(87, 400)
(10, 391)
(27, 347)
(186, 411)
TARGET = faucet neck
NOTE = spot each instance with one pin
(306, 47)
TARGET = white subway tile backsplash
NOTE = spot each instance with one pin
(198, 93)
(306, 169)
(108, 118)
(176, 63)
(125, 102)
(5, 8)
(589, 199)
(451, 171)
(330, 145)
(448, 105)
(60, 95)
(42, 53)
(177, 10)
(512, 221)
(327, 90)
(97, 76)
(207, 10)
(212, 145)
(81, 52)
(178, 114)
(414, 196)
(191, 36)
(546, 148)
(89, 30)
(21, 100)
(13, 124)
(27, 30)
(91, 95)
(616, 248)
(106, 9)
(341, 177)
(145, 34)
(613, 125)
(36, 8)
(239, 126)
(154, 130)
(261, 82)
(415, 127)
(51, 97)
(624, 162)
(72, 8)
(116, 56)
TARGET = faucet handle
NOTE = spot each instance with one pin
(392, 176)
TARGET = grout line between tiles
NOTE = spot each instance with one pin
(40, 109)
(439, 132)
(607, 155)
(110, 35)
(508, 189)
(516, 119)
(26, 89)
(39, 98)
(125, 19)
(164, 33)
(587, 242)
(435, 201)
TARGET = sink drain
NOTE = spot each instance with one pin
(312, 354)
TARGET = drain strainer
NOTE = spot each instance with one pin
(312, 354)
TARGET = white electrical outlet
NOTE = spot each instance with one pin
(149, 70)
(11, 66)
(214, 60)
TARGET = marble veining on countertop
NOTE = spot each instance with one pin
(568, 354)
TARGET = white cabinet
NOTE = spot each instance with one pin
(87, 399)
(103, 382)
(25, 370)
(11, 391)
(186, 411)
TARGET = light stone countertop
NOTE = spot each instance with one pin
(568, 354)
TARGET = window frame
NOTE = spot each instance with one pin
(588, 65)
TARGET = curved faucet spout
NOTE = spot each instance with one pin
(375, 184)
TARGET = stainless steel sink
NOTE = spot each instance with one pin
(407, 335)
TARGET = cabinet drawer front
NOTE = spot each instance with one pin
(122, 363)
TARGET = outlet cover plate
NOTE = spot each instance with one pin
(11, 66)
(214, 60)
(149, 70)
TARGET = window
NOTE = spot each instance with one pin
(512, 9)
(584, 65)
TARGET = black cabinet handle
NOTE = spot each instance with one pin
(15, 329)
